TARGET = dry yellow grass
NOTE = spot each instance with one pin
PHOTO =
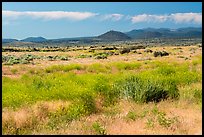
(189, 120)
(114, 119)
(24, 117)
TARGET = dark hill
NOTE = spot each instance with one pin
(114, 36)
(34, 39)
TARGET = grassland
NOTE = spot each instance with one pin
(131, 93)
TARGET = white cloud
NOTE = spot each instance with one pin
(187, 17)
(49, 15)
(149, 18)
(139, 18)
(113, 17)
(177, 18)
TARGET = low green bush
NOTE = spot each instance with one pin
(99, 130)
(84, 56)
(147, 90)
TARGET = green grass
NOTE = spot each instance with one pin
(60, 83)
(99, 130)
(98, 68)
(191, 93)
(64, 68)
(127, 66)
(131, 115)
(151, 85)
(197, 60)
(14, 71)
(84, 56)
(147, 88)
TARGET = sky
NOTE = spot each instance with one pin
(80, 19)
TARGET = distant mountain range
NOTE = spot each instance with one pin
(165, 33)
(147, 33)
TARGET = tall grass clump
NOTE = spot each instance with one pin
(99, 130)
(144, 90)
(197, 61)
(166, 70)
(103, 87)
(83, 105)
(64, 68)
(192, 93)
(98, 68)
(127, 66)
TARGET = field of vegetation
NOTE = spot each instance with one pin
(103, 90)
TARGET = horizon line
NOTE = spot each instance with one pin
(102, 33)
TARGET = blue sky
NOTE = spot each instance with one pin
(76, 19)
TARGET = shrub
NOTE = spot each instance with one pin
(84, 56)
(28, 58)
(163, 120)
(147, 90)
(88, 103)
(98, 128)
(131, 115)
(102, 55)
(159, 53)
(109, 48)
(148, 51)
(125, 50)
(137, 47)
(63, 58)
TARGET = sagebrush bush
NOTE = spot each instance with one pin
(146, 90)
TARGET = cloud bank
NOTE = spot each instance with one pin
(78, 16)
(177, 18)
(187, 17)
(50, 15)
